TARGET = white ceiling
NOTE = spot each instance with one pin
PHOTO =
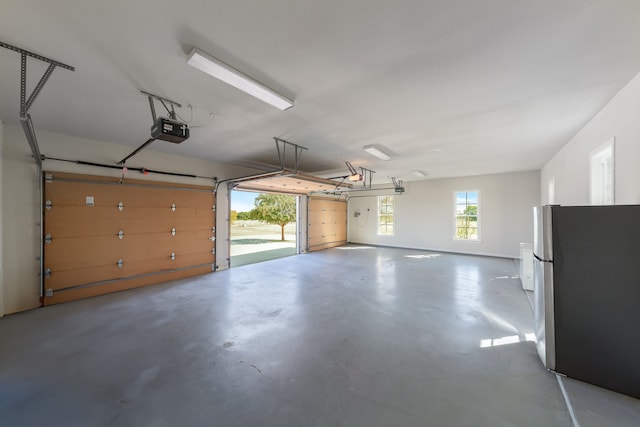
(451, 87)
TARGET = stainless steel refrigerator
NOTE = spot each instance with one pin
(587, 293)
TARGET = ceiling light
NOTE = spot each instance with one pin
(419, 174)
(218, 69)
(356, 177)
(376, 150)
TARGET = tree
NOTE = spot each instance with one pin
(233, 217)
(243, 216)
(275, 209)
(467, 223)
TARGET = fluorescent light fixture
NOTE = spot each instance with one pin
(419, 174)
(376, 150)
(218, 69)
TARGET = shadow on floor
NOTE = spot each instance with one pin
(255, 257)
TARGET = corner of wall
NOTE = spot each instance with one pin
(569, 167)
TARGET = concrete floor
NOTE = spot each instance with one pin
(345, 337)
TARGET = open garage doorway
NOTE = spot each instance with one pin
(263, 226)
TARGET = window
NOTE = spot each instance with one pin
(466, 215)
(385, 215)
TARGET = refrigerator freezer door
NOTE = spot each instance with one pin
(596, 271)
(544, 313)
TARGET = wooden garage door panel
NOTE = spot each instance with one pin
(63, 193)
(327, 223)
(327, 217)
(314, 243)
(328, 234)
(91, 291)
(160, 197)
(106, 195)
(81, 252)
(321, 246)
(72, 221)
(65, 279)
(320, 232)
(85, 248)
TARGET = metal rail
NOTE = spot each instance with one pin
(36, 56)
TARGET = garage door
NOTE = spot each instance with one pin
(327, 221)
(103, 236)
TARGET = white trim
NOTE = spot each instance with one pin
(551, 191)
(594, 155)
(447, 251)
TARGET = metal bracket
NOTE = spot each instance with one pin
(49, 293)
(48, 205)
(48, 238)
(47, 273)
(120, 234)
(173, 256)
(173, 207)
(397, 185)
(120, 263)
(368, 176)
(297, 151)
(25, 104)
(172, 112)
(120, 206)
(173, 231)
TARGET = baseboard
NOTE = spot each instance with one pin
(449, 251)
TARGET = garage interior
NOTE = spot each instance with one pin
(418, 138)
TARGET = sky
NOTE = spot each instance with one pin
(242, 201)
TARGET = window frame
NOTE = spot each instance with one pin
(455, 216)
(379, 214)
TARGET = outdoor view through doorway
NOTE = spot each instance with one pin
(263, 227)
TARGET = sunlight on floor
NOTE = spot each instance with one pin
(423, 256)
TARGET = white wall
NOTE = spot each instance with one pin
(20, 198)
(20, 216)
(620, 118)
(424, 214)
(1, 229)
